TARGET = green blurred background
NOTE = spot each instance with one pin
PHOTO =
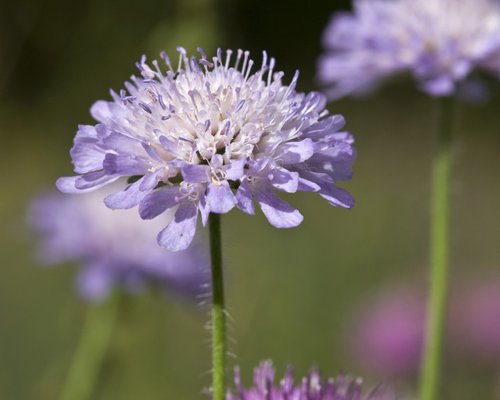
(290, 292)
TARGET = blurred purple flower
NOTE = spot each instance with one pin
(312, 387)
(475, 317)
(439, 42)
(207, 137)
(388, 333)
(113, 248)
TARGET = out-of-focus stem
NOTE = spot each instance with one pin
(91, 350)
(440, 202)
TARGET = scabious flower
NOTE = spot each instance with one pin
(113, 248)
(208, 136)
(440, 42)
(312, 387)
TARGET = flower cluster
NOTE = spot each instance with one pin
(439, 42)
(208, 136)
(113, 247)
(312, 387)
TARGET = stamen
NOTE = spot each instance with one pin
(239, 105)
(182, 57)
(166, 59)
(202, 52)
(250, 65)
(264, 63)
(245, 60)
(219, 55)
(161, 102)
(238, 58)
(145, 107)
(270, 73)
(228, 58)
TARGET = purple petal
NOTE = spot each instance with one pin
(278, 212)
(235, 170)
(325, 126)
(152, 152)
(195, 173)
(150, 180)
(169, 144)
(102, 131)
(244, 198)
(93, 180)
(179, 234)
(283, 179)
(66, 184)
(124, 165)
(103, 111)
(220, 197)
(158, 201)
(123, 144)
(306, 185)
(85, 153)
(204, 209)
(440, 86)
(264, 376)
(337, 197)
(341, 137)
(127, 198)
(86, 132)
(296, 152)
(95, 281)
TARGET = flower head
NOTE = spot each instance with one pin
(208, 136)
(312, 387)
(113, 247)
(440, 42)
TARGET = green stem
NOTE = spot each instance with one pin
(218, 311)
(440, 201)
(91, 350)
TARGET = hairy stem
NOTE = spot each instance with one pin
(218, 311)
(91, 350)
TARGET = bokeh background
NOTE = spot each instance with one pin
(292, 293)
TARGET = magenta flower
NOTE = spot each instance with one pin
(388, 333)
(209, 136)
(311, 387)
(475, 333)
(439, 42)
(113, 248)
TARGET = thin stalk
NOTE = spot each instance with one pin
(440, 203)
(218, 311)
(91, 350)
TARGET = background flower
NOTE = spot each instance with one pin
(387, 333)
(113, 248)
(439, 42)
(476, 320)
(387, 336)
(209, 136)
(311, 387)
